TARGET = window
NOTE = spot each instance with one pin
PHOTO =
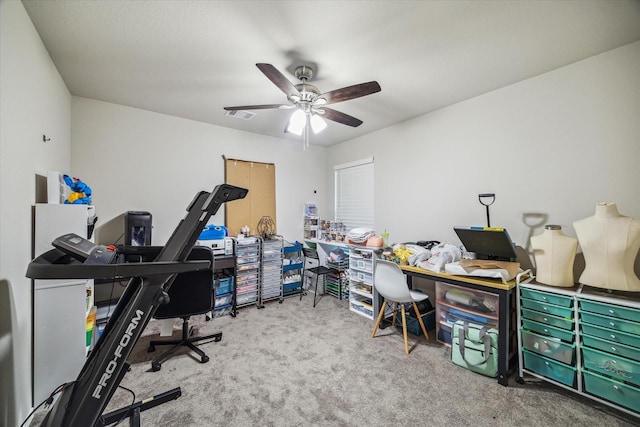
(354, 193)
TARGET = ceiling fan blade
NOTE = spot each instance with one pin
(279, 79)
(351, 92)
(260, 107)
(337, 116)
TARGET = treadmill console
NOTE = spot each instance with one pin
(74, 245)
(84, 250)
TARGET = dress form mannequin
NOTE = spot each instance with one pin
(554, 254)
(610, 243)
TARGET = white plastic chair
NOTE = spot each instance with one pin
(390, 282)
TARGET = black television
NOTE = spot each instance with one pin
(491, 243)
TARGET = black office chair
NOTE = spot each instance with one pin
(190, 294)
(311, 257)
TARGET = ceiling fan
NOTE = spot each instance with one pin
(309, 103)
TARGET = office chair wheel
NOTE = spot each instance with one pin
(216, 339)
(280, 301)
(156, 366)
(520, 380)
(204, 359)
(151, 348)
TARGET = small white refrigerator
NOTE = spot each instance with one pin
(61, 306)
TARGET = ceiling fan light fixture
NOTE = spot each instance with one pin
(318, 124)
(297, 122)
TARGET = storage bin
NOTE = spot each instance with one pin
(616, 367)
(244, 278)
(362, 307)
(610, 335)
(473, 299)
(222, 311)
(470, 317)
(549, 368)
(620, 312)
(555, 299)
(248, 267)
(246, 298)
(444, 334)
(548, 319)
(247, 288)
(247, 260)
(611, 347)
(541, 328)
(293, 287)
(224, 300)
(611, 322)
(362, 276)
(224, 285)
(612, 390)
(549, 347)
(413, 326)
(543, 307)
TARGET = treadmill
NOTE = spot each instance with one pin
(83, 401)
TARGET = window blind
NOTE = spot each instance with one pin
(354, 193)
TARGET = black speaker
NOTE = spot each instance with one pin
(137, 228)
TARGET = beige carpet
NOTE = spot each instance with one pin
(292, 365)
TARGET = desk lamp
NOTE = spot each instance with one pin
(487, 204)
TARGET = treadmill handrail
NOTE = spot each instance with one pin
(42, 268)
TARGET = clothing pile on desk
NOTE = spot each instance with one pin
(439, 256)
(360, 235)
(445, 257)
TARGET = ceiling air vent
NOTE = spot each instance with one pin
(240, 114)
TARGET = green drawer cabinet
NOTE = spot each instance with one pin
(547, 335)
(582, 340)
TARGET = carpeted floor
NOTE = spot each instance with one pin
(292, 365)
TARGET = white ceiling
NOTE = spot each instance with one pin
(191, 58)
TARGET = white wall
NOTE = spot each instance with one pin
(554, 145)
(139, 160)
(33, 101)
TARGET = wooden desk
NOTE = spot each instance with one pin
(505, 309)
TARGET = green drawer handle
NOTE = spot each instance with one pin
(615, 387)
(612, 323)
(612, 311)
(546, 330)
(613, 337)
(546, 363)
(545, 342)
(613, 349)
(544, 298)
(545, 319)
(545, 308)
